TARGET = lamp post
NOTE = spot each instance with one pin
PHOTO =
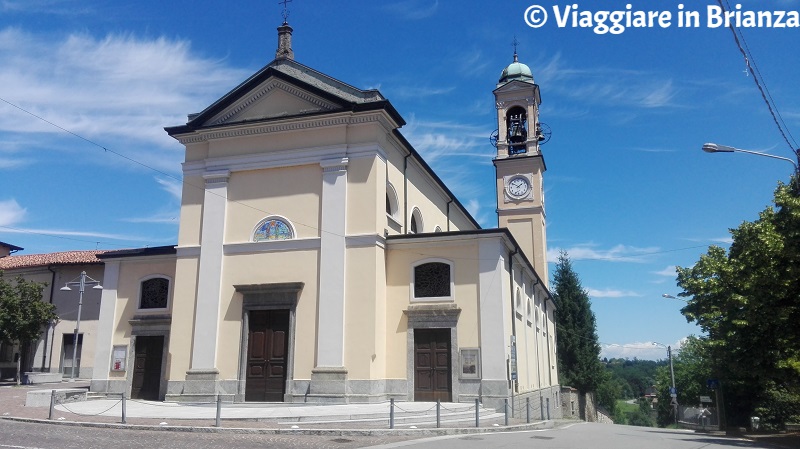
(667, 295)
(715, 148)
(673, 392)
(80, 282)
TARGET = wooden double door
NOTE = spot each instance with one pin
(149, 352)
(432, 367)
(267, 348)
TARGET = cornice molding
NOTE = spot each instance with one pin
(282, 158)
(292, 124)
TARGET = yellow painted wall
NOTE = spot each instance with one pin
(401, 257)
(292, 192)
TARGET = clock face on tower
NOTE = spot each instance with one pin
(518, 187)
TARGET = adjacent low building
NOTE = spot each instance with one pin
(53, 352)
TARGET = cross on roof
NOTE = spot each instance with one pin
(285, 9)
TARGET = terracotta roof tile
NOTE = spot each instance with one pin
(43, 260)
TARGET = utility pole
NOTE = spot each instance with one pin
(674, 392)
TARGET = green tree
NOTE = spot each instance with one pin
(578, 347)
(23, 314)
(609, 390)
(747, 301)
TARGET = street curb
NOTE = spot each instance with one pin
(326, 432)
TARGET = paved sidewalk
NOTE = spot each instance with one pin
(411, 418)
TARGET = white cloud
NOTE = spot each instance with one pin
(11, 212)
(667, 272)
(611, 86)
(611, 293)
(172, 186)
(414, 9)
(417, 91)
(65, 233)
(618, 253)
(641, 350)
(13, 163)
(118, 91)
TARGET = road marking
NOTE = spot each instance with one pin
(19, 447)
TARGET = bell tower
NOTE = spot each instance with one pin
(519, 164)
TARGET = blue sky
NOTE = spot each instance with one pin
(629, 193)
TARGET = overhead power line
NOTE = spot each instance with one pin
(741, 44)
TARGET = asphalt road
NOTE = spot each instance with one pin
(22, 435)
(583, 436)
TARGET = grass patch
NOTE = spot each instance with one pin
(624, 407)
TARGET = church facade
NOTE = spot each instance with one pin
(320, 259)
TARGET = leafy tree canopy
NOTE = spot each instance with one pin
(747, 301)
(22, 311)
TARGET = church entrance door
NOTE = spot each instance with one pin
(267, 348)
(147, 368)
(432, 365)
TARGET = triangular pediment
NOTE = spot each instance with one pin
(272, 99)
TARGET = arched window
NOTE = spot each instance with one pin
(391, 201)
(432, 280)
(437, 229)
(529, 312)
(154, 293)
(415, 226)
(273, 228)
(517, 121)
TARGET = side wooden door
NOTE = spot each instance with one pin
(432, 368)
(147, 368)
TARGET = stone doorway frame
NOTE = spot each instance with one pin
(279, 296)
(432, 316)
(149, 326)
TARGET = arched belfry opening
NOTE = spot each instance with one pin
(517, 121)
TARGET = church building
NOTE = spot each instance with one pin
(320, 259)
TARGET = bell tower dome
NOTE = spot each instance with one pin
(519, 164)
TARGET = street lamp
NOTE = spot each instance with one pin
(667, 295)
(80, 282)
(715, 148)
(673, 392)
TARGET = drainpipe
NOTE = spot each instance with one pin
(448, 214)
(50, 327)
(405, 194)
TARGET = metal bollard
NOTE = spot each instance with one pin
(391, 413)
(438, 414)
(548, 409)
(219, 410)
(52, 403)
(541, 406)
(124, 410)
(528, 410)
(477, 413)
(505, 411)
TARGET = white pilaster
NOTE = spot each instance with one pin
(206, 322)
(330, 337)
(493, 312)
(105, 322)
